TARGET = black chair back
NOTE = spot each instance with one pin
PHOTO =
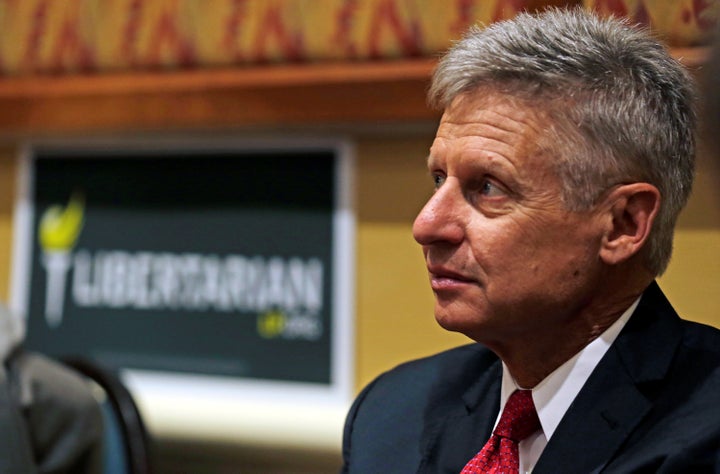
(127, 440)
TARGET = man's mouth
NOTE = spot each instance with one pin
(446, 279)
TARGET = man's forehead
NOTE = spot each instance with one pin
(496, 123)
(492, 105)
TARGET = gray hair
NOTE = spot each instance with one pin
(621, 110)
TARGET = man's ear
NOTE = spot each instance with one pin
(632, 208)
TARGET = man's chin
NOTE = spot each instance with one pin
(455, 323)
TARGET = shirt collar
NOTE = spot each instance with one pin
(554, 394)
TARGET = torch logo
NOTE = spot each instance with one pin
(58, 232)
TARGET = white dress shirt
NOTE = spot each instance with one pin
(554, 394)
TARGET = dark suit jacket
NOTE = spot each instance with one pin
(652, 405)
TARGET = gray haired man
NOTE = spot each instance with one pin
(562, 160)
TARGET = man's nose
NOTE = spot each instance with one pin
(441, 218)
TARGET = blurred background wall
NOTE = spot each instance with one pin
(355, 69)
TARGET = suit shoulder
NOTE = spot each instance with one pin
(702, 337)
(444, 364)
(419, 381)
(392, 410)
(699, 354)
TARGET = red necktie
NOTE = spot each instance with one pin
(500, 454)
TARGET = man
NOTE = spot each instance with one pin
(561, 162)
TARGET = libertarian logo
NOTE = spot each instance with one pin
(59, 229)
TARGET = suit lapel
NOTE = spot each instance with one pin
(455, 434)
(598, 421)
(612, 403)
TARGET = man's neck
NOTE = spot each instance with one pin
(532, 357)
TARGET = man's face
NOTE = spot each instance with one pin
(505, 257)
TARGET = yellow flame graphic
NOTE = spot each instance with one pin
(59, 228)
(271, 324)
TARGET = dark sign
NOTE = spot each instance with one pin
(214, 262)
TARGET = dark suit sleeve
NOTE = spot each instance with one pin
(393, 423)
(385, 424)
(349, 426)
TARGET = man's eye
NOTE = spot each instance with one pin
(490, 189)
(438, 179)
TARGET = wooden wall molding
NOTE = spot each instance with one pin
(257, 96)
(307, 94)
